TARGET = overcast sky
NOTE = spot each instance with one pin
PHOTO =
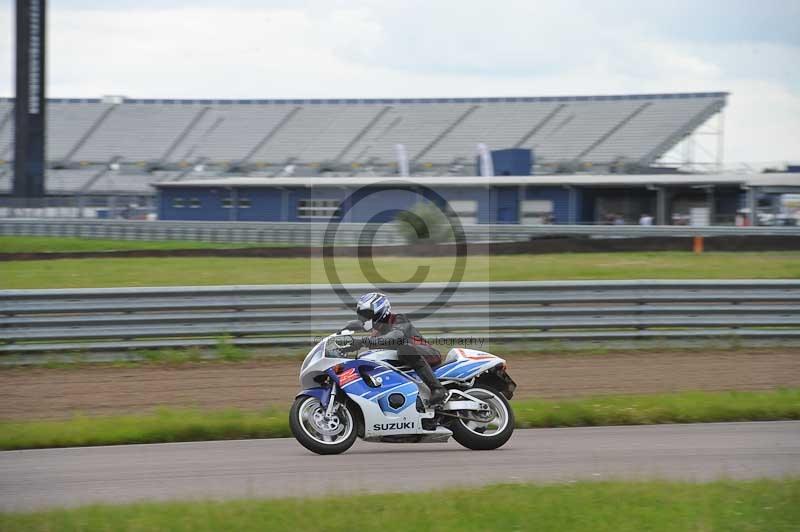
(435, 48)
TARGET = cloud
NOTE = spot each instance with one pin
(762, 123)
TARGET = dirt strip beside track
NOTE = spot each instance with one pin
(42, 393)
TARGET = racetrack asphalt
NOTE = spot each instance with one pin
(35, 479)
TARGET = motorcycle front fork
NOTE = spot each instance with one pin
(331, 402)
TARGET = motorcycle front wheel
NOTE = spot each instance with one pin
(318, 433)
(487, 430)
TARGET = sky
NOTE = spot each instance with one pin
(436, 48)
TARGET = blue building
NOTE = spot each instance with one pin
(561, 199)
(474, 200)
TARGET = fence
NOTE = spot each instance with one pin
(76, 207)
(310, 233)
(282, 315)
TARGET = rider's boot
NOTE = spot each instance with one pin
(438, 392)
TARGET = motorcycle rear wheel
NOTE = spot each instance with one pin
(488, 435)
(320, 435)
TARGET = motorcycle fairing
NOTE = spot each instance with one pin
(385, 381)
(322, 394)
(464, 364)
(315, 364)
(459, 364)
(380, 418)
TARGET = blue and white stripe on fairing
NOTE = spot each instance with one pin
(461, 369)
(452, 367)
(403, 388)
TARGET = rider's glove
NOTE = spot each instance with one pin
(354, 346)
(358, 342)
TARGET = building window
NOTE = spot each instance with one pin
(177, 203)
(465, 210)
(195, 203)
(537, 212)
(318, 209)
(244, 203)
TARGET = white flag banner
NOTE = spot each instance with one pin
(402, 159)
(487, 168)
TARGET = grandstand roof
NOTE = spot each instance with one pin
(606, 180)
(348, 136)
(314, 101)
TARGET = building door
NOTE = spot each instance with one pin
(507, 205)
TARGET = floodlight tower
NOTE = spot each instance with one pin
(29, 100)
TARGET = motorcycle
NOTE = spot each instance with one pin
(373, 397)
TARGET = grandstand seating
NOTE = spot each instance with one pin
(68, 124)
(65, 181)
(345, 137)
(111, 182)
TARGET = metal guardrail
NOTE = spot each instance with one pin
(313, 233)
(112, 319)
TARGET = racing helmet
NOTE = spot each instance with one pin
(372, 308)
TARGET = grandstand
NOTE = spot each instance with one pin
(118, 145)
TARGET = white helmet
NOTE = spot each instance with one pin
(372, 308)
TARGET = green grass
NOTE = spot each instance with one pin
(656, 506)
(682, 407)
(161, 426)
(40, 244)
(87, 273)
(167, 425)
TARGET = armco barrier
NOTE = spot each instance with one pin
(145, 318)
(302, 233)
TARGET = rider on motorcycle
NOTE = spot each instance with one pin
(395, 331)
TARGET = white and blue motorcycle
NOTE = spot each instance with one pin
(373, 397)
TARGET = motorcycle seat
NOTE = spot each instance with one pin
(399, 365)
(451, 356)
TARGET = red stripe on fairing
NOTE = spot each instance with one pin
(348, 376)
(482, 356)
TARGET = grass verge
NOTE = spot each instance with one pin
(597, 506)
(175, 271)
(46, 244)
(168, 425)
